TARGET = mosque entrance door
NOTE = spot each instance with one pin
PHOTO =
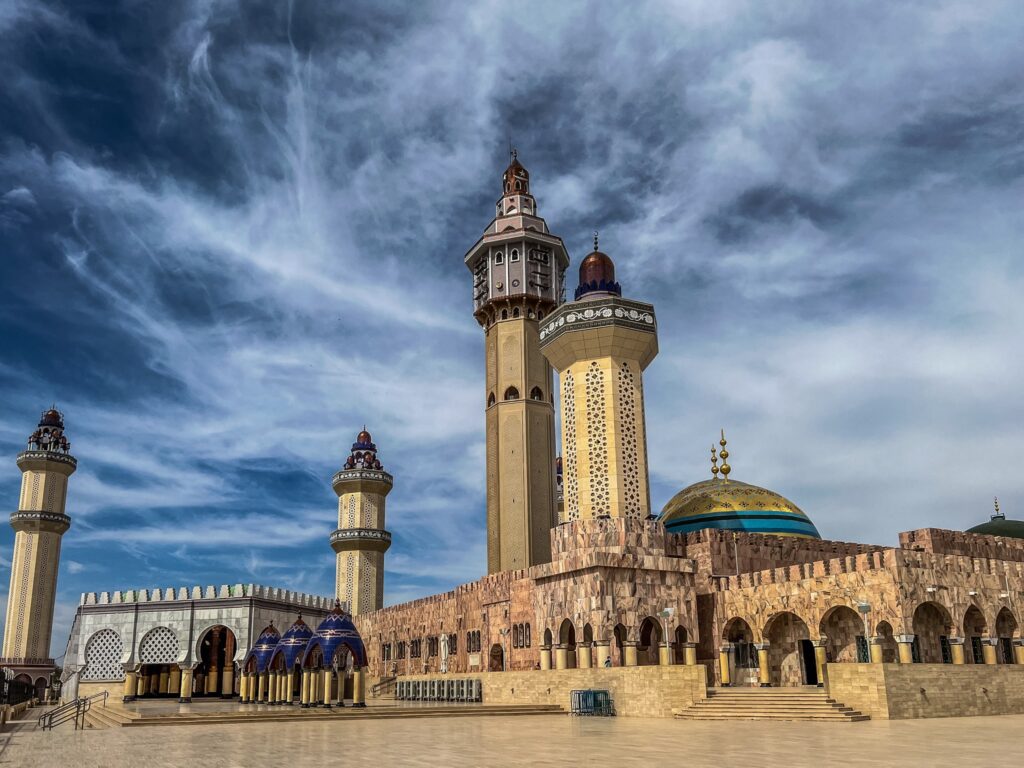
(497, 661)
(810, 666)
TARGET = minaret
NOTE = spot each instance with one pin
(39, 524)
(518, 267)
(361, 541)
(600, 344)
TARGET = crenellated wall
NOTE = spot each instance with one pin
(209, 592)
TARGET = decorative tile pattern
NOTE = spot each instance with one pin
(103, 656)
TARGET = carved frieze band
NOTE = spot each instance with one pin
(598, 313)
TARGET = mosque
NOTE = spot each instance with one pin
(730, 585)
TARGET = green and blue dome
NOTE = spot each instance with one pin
(734, 506)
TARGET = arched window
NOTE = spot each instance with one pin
(490, 400)
(511, 393)
(514, 256)
(527, 635)
(515, 312)
(499, 257)
(518, 186)
(536, 394)
(540, 315)
(504, 314)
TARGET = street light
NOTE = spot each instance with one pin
(666, 614)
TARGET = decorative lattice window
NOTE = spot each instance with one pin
(629, 459)
(597, 442)
(352, 511)
(159, 646)
(103, 656)
(570, 484)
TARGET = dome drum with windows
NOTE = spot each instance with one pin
(724, 504)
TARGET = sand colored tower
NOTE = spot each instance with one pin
(39, 523)
(518, 268)
(360, 540)
(600, 344)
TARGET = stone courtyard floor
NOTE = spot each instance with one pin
(542, 740)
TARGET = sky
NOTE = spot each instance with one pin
(231, 233)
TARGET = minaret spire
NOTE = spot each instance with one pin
(724, 453)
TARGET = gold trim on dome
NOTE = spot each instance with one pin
(719, 495)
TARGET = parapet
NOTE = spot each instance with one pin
(223, 592)
(939, 541)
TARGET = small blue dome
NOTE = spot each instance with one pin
(335, 631)
(264, 649)
(294, 641)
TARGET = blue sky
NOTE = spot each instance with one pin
(231, 233)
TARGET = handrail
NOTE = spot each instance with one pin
(73, 710)
(383, 684)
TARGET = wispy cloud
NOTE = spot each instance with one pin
(233, 235)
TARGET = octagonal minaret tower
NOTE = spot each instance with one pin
(601, 344)
(518, 268)
(39, 523)
(360, 540)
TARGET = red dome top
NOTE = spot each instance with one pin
(364, 438)
(597, 268)
(52, 418)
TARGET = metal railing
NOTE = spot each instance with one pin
(73, 710)
(385, 686)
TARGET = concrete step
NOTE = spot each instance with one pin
(849, 718)
(99, 717)
(369, 713)
(770, 704)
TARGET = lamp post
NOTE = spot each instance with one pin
(667, 614)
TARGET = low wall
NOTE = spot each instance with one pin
(637, 691)
(87, 689)
(903, 691)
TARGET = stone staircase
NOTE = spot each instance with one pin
(770, 704)
(115, 716)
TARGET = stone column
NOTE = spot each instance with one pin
(906, 651)
(545, 657)
(875, 649)
(764, 669)
(601, 651)
(213, 670)
(956, 649)
(174, 681)
(629, 651)
(131, 683)
(665, 655)
(358, 687)
(165, 681)
(690, 654)
(304, 694)
(1018, 650)
(585, 654)
(227, 688)
(561, 657)
(988, 650)
(254, 684)
(185, 692)
(724, 663)
(289, 696)
(243, 687)
(141, 688)
(284, 683)
(273, 689)
(326, 682)
(820, 659)
(261, 690)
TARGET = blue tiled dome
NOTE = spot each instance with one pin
(264, 649)
(293, 642)
(335, 631)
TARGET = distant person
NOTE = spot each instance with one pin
(607, 661)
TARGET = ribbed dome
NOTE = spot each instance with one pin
(52, 418)
(264, 648)
(597, 275)
(735, 506)
(333, 632)
(294, 641)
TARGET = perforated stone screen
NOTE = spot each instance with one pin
(159, 646)
(103, 656)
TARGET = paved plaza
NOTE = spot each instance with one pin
(556, 740)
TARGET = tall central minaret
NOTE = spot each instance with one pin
(518, 267)
(39, 524)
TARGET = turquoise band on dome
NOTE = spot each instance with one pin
(749, 520)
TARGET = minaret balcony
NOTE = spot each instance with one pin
(34, 521)
(348, 539)
(39, 460)
(600, 327)
(371, 480)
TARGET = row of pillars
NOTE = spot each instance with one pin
(904, 644)
(177, 679)
(587, 655)
(278, 687)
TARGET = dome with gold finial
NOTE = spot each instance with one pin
(730, 505)
(1000, 526)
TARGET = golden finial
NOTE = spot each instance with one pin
(998, 513)
(595, 239)
(714, 462)
(726, 469)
